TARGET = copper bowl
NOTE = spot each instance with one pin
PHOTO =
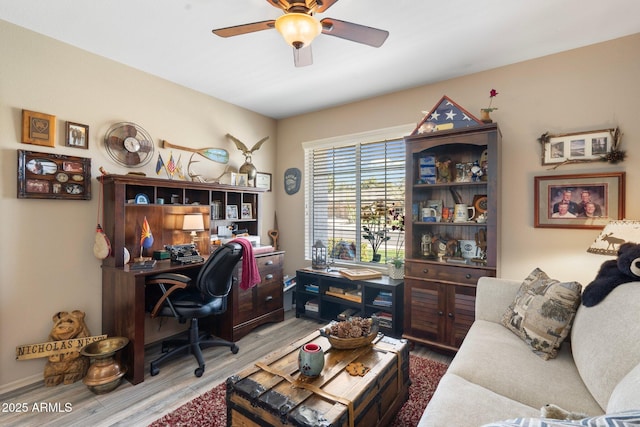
(105, 373)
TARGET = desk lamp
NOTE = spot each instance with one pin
(193, 223)
(614, 234)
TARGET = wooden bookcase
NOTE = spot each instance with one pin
(439, 296)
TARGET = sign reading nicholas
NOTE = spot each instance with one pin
(46, 349)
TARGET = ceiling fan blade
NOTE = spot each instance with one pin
(354, 32)
(324, 5)
(244, 28)
(302, 57)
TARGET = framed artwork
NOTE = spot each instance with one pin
(53, 176)
(578, 201)
(232, 211)
(247, 211)
(76, 135)
(38, 128)
(242, 179)
(263, 180)
(577, 147)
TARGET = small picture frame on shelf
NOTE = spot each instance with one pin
(232, 211)
(76, 135)
(263, 180)
(242, 179)
(247, 211)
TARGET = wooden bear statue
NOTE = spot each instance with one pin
(68, 367)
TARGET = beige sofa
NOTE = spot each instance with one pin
(495, 375)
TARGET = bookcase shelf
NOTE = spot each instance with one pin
(330, 306)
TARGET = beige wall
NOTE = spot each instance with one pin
(47, 264)
(592, 88)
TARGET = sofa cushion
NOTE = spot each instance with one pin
(542, 312)
(628, 418)
(458, 402)
(605, 341)
(494, 358)
(626, 395)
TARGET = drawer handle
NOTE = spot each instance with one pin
(425, 271)
(269, 276)
(468, 276)
(269, 298)
(440, 313)
(450, 315)
(270, 262)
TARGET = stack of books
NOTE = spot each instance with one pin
(312, 287)
(311, 305)
(383, 299)
(385, 319)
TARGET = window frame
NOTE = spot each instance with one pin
(379, 135)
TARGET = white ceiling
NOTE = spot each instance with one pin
(429, 41)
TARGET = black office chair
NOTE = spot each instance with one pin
(182, 300)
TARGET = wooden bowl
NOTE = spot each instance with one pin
(351, 343)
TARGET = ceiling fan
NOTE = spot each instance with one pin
(299, 27)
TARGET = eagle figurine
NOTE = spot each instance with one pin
(247, 167)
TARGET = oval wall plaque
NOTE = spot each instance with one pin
(292, 178)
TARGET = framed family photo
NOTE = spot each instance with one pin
(232, 211)
(578, 201)
(76, 135)
(576, 147)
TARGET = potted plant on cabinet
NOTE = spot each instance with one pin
(396, 265)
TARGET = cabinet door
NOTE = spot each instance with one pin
(460, 313)
(426, 305)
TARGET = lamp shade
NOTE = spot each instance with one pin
(193, 222)
(615, 234)
(298, 29)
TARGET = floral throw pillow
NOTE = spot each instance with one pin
(542, 312)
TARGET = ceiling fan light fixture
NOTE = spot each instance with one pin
(298, 29)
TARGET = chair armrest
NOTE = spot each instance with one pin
(493, 297)
(176, 281)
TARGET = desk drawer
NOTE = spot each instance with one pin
(447, 273)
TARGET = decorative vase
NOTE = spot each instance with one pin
(485, 117)
(396, 272)
(104, 373)
(376, 258)
(311, 360)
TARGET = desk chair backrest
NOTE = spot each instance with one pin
(216, 275)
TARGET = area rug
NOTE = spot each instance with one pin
(210, 408)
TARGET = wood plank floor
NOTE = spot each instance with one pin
(140, 405)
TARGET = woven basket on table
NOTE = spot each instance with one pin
(351, 343)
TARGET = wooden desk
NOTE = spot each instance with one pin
(123, 305)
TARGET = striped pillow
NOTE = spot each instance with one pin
(622, 419)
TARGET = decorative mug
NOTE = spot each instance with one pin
(462, 212)
(429, 215)
(468, 248)
(311, 360)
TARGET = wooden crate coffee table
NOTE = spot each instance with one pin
(273, 393)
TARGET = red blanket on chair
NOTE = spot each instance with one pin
(250, 274)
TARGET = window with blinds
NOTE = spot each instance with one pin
(355, 200)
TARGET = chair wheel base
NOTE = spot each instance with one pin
(199, 371)
(234, 349)
(154, 370)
